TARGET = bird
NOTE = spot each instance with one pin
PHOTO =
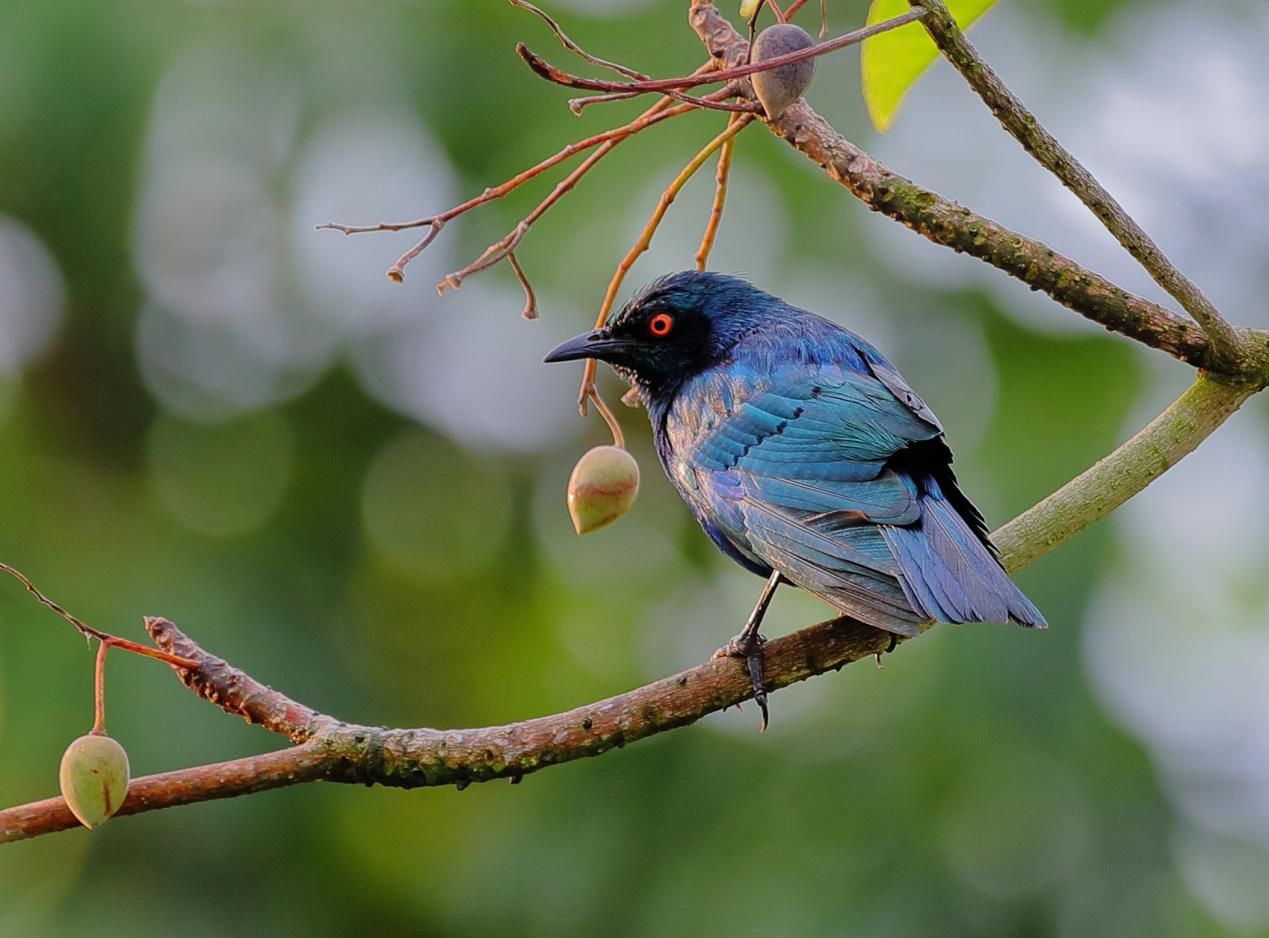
(806, 458)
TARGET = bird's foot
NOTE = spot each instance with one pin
(748, 645)
(894, 640)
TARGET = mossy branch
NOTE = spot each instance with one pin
(1229, 347)
(328, 749)
(951, 224)
(1098, 491)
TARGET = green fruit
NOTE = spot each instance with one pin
(780, 87)
(94, 778)
(604, 483)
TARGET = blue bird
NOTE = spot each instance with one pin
(805, 456)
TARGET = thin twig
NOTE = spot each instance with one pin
(614, 66)
(645, 238)
(574, 47)
(716, 209)
(551, 73)
(508, 242)
(530, 310)
(793, 8)
(88, 631)
(653, 115)
(397, 271)
(1227, 345)
(577, 104)
(667, 85)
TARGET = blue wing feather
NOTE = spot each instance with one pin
(802, 468)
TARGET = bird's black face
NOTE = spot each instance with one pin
(660, 338)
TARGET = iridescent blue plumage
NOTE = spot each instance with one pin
(800, 449)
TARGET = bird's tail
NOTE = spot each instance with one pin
(947, 571)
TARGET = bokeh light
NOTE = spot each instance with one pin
(354, 488)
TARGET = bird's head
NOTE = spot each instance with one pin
(673, 328)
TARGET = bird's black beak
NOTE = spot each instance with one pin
(596, 344)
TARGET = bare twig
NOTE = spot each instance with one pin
(507, 243)
(1228, 346)
(574, 47)
(397, 270)
(576, 104)
(530, 310)
(88, 631)
(653, 115)
(716, 209)
(545, 69)
(645, 238)
(667, 85)
(504, 245)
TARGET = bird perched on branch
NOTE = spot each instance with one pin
(805, 456)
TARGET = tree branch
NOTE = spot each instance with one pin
(1101, 489)
(1228, 346)
(946, 222)
(716, 207)
(553, 74)
(411, 758)
(668, 85)
(331, 750)
(587, 391)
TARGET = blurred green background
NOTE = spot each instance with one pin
(354, 490)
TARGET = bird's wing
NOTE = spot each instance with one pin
(796, 474)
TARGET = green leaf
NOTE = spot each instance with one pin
(891, 61)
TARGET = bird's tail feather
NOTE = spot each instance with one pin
(948, 573)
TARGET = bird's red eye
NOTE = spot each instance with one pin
(661, 324)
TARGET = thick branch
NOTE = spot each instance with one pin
(412, 758)
(1227, 344)
(306, 763)
(1097, 492)
(946, 222)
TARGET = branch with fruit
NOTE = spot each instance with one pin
(762, 78)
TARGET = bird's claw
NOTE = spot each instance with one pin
(894, 640)
(738, 646)
(749, 647)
